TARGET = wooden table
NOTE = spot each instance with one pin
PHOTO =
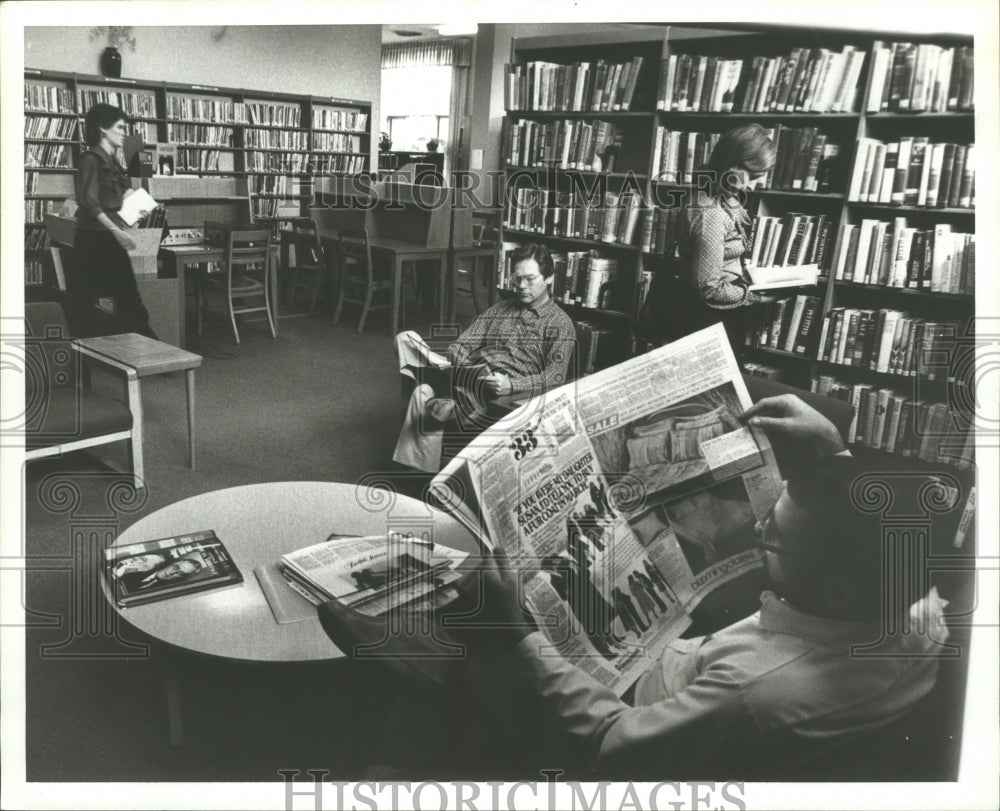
(147, 357)
(398, 252)
(199, 253)
(258, 523)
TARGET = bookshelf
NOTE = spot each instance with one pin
(829, 99)
(229, 149)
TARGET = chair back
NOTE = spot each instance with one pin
(304, 238)
(248, 246)
(50, 360)
(355, 255)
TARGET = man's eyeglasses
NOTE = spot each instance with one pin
(526, 280)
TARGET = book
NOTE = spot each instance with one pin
(148, 571)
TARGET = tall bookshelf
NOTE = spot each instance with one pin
(248, 149)
(687, 91)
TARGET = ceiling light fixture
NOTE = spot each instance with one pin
(403, 32)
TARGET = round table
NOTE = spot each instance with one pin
(258, 523)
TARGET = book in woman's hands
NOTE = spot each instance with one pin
(135, 204)
(169, 567)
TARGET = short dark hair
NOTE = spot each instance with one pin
(538, 253)
(100, 117)
(843, 543)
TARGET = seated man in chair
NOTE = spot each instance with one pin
(780, 695)
(520, 346)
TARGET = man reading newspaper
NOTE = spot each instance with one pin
(519, 346)
(760, 699)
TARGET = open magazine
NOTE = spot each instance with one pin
(623, 498)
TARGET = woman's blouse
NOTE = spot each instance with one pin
(712, 239)
(101, 184)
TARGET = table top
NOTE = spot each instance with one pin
(146, 355)
(258, 523)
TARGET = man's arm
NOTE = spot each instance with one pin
(555, 361)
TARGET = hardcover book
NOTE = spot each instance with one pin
(169, 567)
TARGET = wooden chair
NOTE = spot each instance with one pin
(309, 272)
(61, 413)
(485, 239)
(360, 281)
(245, 274)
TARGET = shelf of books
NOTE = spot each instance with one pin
(868, 211)
(217, 151)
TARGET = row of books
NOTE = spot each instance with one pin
(276, 139)
(269, 207)
(36, 239)
(789, 324)
(659, 229)
(811, 80)
(806, 160)
(336, 142)
(599, 86)
(204, 134)
(341, 165)
(48, 98)
(676, 155)
(768, 372)
(47, 155)
(35, 210)
(792, 240)
(895, 255)
(326, 119)
(913, 171)
(273, 115)
(910, 78)
(212, 111)
(142, 105)
(203, 160)
(293, 162)
(34, 273)
(595, 348)
(269, 184)
(585, 278)
(890, 421)
(574, 214)
(886, 341)
(40, 126)
(588, 145)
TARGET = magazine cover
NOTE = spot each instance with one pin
(169, 567)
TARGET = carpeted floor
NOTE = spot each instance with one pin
(318, 403)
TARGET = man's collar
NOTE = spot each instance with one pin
(780, 617)
(538, 309)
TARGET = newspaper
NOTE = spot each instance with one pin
(623, 499)
(374, 574)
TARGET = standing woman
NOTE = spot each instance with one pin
(714, 232)
(102, 267)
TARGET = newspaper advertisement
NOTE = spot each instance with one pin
(623, 499)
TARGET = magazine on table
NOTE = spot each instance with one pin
(169, 567)
(623, 498)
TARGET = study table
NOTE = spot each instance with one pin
(198, 253)
(258, 523)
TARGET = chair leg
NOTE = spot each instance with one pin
(232, 317)
(316, 291)
(340, 303)
(472, 283)
(267, 304)
(364, 312)
(198, 296)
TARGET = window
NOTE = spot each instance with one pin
(415, 106)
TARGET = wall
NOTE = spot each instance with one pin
(319, 60)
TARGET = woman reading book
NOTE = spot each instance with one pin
(102, 266)
(713, 238)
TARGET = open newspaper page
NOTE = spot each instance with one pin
(690, 478)
(623, 499)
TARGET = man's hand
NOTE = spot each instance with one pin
(441, 409)
(788, 416)
(498, 383)
(497, 613)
